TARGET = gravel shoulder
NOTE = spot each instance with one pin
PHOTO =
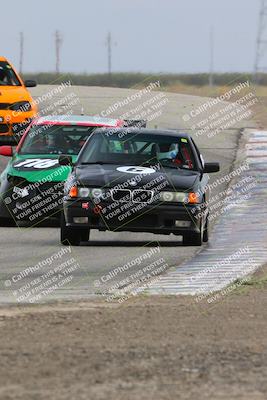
(147, 348)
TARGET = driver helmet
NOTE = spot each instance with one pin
(168, 151)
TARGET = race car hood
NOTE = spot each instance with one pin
(12, 94)
(35, 168)
(112, 175)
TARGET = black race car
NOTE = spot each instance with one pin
(137, 180)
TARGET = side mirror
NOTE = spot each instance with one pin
(65, 160)
(30, 83)
(6, 151)
(211, 167)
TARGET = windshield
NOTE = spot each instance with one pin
(54, 139)
(7, 75)
(138, 149)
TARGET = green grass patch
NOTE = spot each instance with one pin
(253, 282)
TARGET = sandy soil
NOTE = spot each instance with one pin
(149, 348)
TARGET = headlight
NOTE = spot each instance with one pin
(83, 192)
(175, 197)
(167, 196)
(21, 106)
(179, 197)
(95, 193)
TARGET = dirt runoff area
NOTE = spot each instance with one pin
(147, 348)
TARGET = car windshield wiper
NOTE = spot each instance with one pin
(173, 166)
(146, 164)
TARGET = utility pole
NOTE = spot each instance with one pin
(58, 44)
(110, 44)
(21, 51)
(261, 41)
(211, 76)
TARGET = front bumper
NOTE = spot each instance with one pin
(12, 128)
(41, 201)
(161, 218)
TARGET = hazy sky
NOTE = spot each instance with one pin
(151, 35)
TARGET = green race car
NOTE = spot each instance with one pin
(31, 185)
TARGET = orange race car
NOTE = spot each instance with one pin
(17, 108)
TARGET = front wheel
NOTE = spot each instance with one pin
(206, 232)
(193, 238)
(85, 234)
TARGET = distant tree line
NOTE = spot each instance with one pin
(127, 80)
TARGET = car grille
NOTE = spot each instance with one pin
(4, 128)
(142, 196)
(121, 195)
(136, 196)
(4, 106)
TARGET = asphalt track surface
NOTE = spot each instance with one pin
(22, 248)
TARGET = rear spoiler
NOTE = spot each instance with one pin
(135, 123)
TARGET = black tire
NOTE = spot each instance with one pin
(4, 222)
(69, 235)
(85, 235)
(193, 238)
(206, 232)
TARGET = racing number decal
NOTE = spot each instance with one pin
(136, 170)
(38, 163)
